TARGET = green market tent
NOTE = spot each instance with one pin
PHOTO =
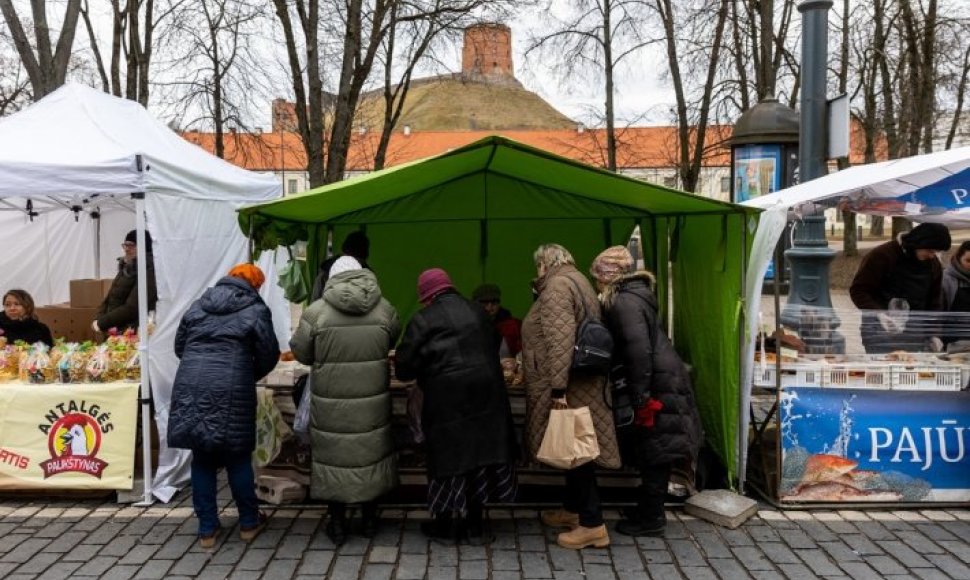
(480, 211)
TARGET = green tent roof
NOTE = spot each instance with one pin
(480, 211)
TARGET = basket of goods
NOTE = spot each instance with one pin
(97, 369)
(508, 370)
(71, 364)
(36, 367)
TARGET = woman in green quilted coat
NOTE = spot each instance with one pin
(345, 337)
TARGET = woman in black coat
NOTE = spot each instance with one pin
(451, 348)
(666, 427)
(19, 322)
(226, 343)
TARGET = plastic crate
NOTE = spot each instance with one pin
(792, 375)
(857, 376)
(927, 378)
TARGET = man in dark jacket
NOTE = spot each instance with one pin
(119, 310)
(508, 326)
(450, 348)
(666, 427)
(226, 343)
(357, 246)
(902, 273)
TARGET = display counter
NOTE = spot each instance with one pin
(67, 436)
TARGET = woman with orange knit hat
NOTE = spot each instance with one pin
(226, 343)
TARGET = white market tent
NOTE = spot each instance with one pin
(78, 169)
(934, 187)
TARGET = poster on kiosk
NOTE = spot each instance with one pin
(859, 445)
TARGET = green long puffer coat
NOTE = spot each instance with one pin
(345, 337)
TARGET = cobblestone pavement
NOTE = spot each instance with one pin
(73, 539)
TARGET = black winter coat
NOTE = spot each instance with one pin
(30, 330)
(451, 348)
(652, 368)
(226, 343)
(120, 307)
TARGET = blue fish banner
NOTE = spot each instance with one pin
(864, 445)
(946, 199)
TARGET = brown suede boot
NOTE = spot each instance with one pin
(580, 537)
(559, 518)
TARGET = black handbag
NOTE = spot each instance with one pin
(593, 348)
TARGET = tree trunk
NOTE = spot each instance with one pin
(47, 69)
(900, 225)
(876, 227)
(608, 69)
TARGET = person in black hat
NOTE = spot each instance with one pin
(898, 281)
(357, 246)
(119, 310)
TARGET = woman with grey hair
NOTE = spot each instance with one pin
(563, 298)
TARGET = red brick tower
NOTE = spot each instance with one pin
(487, 51)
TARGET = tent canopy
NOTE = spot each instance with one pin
(75, 158)
(480, 211)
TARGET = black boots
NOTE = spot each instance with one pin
(337, 524)
(369, 520)
(440, 528)
(470, 529)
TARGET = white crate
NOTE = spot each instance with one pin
(927, 378)
(792, 375)
(857, 376)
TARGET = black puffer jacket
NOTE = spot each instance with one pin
(451, 348)
(226, 343)
(120, 307)
(29, 330)
(652, 368)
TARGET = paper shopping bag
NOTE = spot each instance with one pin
(570, 440)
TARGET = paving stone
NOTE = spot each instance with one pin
(228, 553)
(536, 565)
(378, 572)
(752, 558)
(819, 561)
(215, 572)
(504, 560)
(861, 544)
(245, 575)
(255, 559)
(562, 559)
(950, 565)
(155, 570)
(82, 553)
(657, 556)
(906, 556)
(38, 563)
(316, 563)
(531, 543)
(931, 574)
(762, 534)
(473, 570)
(412, 567)
(346, 566)
(600, 572)
(354, 546)
(959, 548)
(97, 566)
(840, 552)
(696, 573)
(799, 539)
(686, 553)
(818, 531)
(860, 571)
(268, 539)
(25, 550)
(712, 545)
(190, 564)
(767, 575)
(876, 531)
(594, 556)
(10, 541)
(52, 530)
(59, 571)
(736, 537)
(466, 552)
(797, 572)
(919, 542)
(442, 573)
(137, 555)
(175, 547)
(626, 559)
(66, 542)
(885, 565)
(119, 546)
(506, 575)
(663, 572)
(729, 569)
(442, 556)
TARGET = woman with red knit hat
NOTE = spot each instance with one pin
(451, 348)
(226, 343)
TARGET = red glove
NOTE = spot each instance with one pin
(647, 413)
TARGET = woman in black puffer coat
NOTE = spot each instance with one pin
(226, 343)
(666, 426)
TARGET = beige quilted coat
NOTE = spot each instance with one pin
(548, 335)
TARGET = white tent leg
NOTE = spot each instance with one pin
(143, 349)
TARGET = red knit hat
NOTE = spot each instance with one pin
(431, 283)
(250, 273)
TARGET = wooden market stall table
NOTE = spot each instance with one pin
(68, 436)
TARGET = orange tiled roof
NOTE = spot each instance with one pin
(637, 148)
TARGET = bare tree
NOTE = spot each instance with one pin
(214, 66)
(305, 77)
(46, 64)
(850, 241)
(14, 84)
(596, 36)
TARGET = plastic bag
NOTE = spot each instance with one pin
(271, 429)
(132, 372)
(293, 280)
(9, 367)
(301, 421)
(99, 364)
(36, 368)
(71, 364)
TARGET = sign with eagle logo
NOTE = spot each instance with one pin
(68, 436)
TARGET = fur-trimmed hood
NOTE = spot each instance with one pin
(609, 293)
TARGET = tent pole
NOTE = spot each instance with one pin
(143, 348)
(96, 216)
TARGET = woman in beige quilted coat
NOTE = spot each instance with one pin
(548, 336)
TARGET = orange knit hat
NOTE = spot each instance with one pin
(250, 273)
